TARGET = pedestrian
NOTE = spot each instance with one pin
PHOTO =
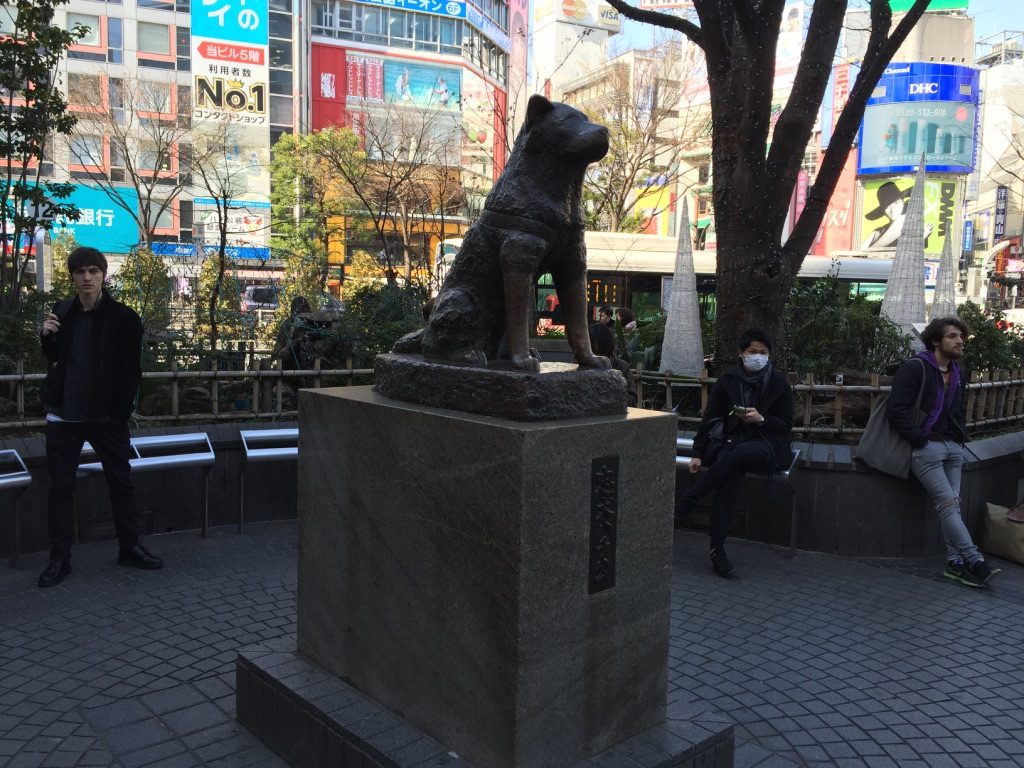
(602, 342)
(93, 344)
(938, 453)
(605, 316)
(754, 405)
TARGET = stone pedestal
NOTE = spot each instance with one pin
(502, 586)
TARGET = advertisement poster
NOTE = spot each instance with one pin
(102, 223)
(885, 205)
(422, 85)
(916, 109)
(477, 124)
(231, 112)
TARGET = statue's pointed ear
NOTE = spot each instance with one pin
(537, 107)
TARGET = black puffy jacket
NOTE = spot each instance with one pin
(116, 361)
(775, 402)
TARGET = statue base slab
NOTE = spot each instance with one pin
(502, 585)
(559, 391)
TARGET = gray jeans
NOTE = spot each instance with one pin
(937, 466)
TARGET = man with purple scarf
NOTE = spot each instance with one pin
(938, 441)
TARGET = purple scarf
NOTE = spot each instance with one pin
(940, 402)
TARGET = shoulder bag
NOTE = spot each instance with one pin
(881, 447)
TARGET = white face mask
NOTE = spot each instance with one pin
(755, 362)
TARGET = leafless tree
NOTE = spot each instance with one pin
(404, 169)
(755, 168)
(135, 134)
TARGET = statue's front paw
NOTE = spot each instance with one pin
(526, 363)
(594, 361)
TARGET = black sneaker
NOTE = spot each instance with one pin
(55, 570)
(720, 563)
(967, 575)
(954, 570)
(982, 572)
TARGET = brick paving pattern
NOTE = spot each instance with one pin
(818, 660)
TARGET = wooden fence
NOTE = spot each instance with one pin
(263, 387)
(995, 399)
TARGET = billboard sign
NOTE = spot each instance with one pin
(999, 220)
(231, 107)
(240, 21)
(455, 9)
(968, 244)
(885, 205)
(902, 6)
(583, 13)
(916, 109)
(102, 223)
(422, 85)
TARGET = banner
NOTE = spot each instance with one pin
(885, 205)
(921, 109)
(102, 224)
(422, 85)
(231, 115)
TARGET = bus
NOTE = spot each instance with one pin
(636, 271)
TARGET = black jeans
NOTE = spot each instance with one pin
(724, 477)
(112, 444)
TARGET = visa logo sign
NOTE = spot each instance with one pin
(923, 89)
(609, 14)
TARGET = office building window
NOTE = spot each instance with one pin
(87, 150)
(183, 44)
(8, 19)
(154, 38)
(115, 41)
(92, 37)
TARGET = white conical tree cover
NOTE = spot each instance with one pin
(944, 303)
(904, 295)
(682, 352)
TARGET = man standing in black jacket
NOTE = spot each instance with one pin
(937, 432)
(94, 345)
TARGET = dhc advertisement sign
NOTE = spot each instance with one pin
(916, 109)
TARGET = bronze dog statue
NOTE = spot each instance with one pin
(532, 224)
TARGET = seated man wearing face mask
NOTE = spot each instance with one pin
(756, 404)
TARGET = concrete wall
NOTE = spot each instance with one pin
(842, 507)
(845, 508)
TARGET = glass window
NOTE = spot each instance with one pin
(154, 97)
(92, 37)
(450, 35)
(87, 150)
(83, 90)
(281, 5)
(281, 82)
(281, 25)
(117, 153)
(165, 218)
(8, 19)
(153, 157)
(154, 38)
(280, 54)
(373, 25)
(281, 110)
(323, 14)
(160, 5)
(115, 41)
(115, 94)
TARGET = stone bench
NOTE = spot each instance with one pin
(14, 479)
(684, 449)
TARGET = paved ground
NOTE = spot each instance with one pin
(819, 660)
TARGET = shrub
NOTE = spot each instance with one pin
(828, 330)
(989, 345)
